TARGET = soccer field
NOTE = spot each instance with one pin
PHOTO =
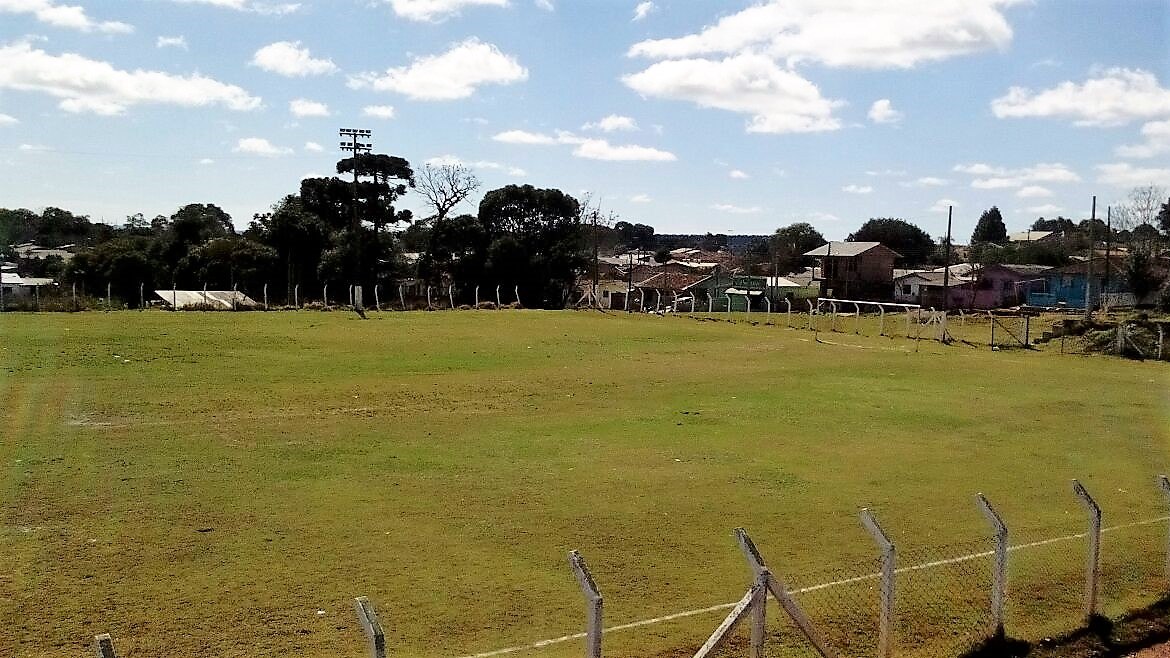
(225, 484)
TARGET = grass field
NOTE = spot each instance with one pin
(225, 484)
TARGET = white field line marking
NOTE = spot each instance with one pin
(811, 588)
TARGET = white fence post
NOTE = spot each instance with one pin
(760, 603)
(297, 296)
(103, 646)
(402, 296)
(498, 302)
(810, 313)
(1164, 484)
(477, 297)
(517, 292)
(109, 291)
(857, 321)
(999, 571)
(451, 295)
(593, 604)
(266, 297)
(1093, 565)
(780, 591)
(882, 322)
(377, 297)
(368, 618)
(325, 294)
(428, 298)
(788, 303)
(710, 304)
(728, 305)
(889, 562)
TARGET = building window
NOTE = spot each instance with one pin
(906, 289)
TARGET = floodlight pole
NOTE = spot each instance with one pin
(358, 149)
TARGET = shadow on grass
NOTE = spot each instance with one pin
(1100, 638)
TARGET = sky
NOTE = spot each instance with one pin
(691, 116)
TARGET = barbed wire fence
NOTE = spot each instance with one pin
(934, 600)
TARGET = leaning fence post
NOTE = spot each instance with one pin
(377, 298)
(428, 298)
(1093, 566)
(477, 297)
(1164, 484)
(451, 296)
(368, 618)
(297, 296)
(103, 646)
(788, 302)
(593, 604)
(760, 604)
(325, 294)
(999, 574)
(402, 296)
(517, 293)
(266, 297)
(889, 559)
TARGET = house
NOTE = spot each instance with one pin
(1065, 286)
(664, 289)
(855, 270)
(932, 288)
(999, 286)
(1034, 236)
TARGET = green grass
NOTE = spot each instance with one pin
(244, 471)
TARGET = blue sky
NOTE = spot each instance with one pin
(693, 116)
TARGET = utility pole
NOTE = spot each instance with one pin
(1108, 245)
(947, 262)
(1089, 265)
(358, 149)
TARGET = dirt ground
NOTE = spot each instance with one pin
(1154, 652)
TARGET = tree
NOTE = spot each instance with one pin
(299, 238)
(1141, 206)
(1139, 273)
(789, 244)
(1164, 218)
(662, 256)
(445, 186)
(230, 262)
(914, 244)
(456, 250)
(1057, 225)
(534, 240)
(636, 236)
(990, 227)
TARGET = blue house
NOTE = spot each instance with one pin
(1065, 286)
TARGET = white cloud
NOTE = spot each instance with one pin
(290, 59)
(857, 189)
(179, 42)
(1114, 97)
(378, 111)
(612, 123)
(206, 161)
(1157, 134)
(848, 33)
(314, 147)
(546, 5)
(8, 120)
(433, 11)
(34, 148)
(87, 85)
(738, 174)
(451, 75)
(600, 149)
(942, 205)
(779, 101)
(996, 178)
(71, 17)
(524, 137)
(882, 111)
(886, 172)
(926, 181)
(644, 9)
(737, 210)
(454, 160)
(303, 107)
(254, 6)
(260, 146)
(1033, 191)
(641, 198)
(1046, 209)
(1127, 176)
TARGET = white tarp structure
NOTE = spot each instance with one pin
(213, 300)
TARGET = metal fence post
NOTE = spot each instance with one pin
(368, 618)
(103, 646)
(999, 571)
(1164, 484)
(593, 604)
(889, 560)
(1093, 565)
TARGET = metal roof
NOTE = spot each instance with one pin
(848, 249)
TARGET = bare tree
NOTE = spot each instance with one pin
(1141, 207)
(445, 186)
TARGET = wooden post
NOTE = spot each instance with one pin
(889, 559)
(1164, 485)
(593, 605)
(368, 618)
(999, 571)
(1093, 563)
(358, 302)
(103, 646)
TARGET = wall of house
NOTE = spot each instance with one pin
(867, 276)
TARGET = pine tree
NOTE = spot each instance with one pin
(990, 227)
